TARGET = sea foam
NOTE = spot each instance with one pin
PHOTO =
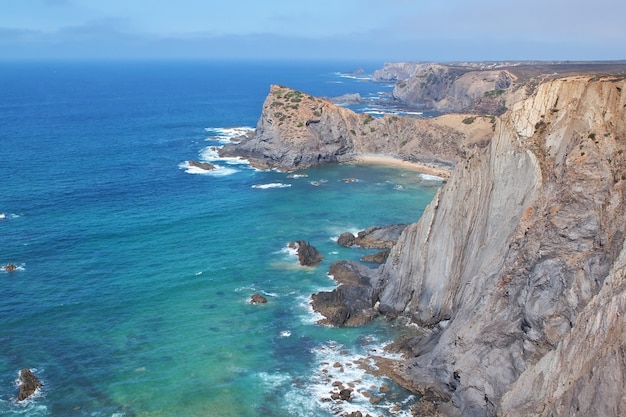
(227, 134)
(219, 171)
(429, 177)
(271, 185)
(335, 367)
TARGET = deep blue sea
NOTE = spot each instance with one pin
(135, 272)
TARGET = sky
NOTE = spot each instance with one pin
(382, 30)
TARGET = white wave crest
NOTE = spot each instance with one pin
(218, 171)
(227, 134)
(17, 267)
(271, 185)
(429, 177)
(339, 367)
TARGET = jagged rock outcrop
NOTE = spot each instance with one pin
(352, 303)
(308, 255)
(202, 165)
(29, 384)
(511, 263)
(376, 237)
(298, 131)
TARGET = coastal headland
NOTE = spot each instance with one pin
(516, 271)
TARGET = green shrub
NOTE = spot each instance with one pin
(468, 120)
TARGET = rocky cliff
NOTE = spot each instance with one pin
(516, 266)
(481, 88)
(449, 88)
(297, 131)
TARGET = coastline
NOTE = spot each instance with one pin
(386, 160)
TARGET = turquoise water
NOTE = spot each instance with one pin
(131, 296)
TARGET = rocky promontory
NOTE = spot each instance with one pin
(297, 131)
(516, 269)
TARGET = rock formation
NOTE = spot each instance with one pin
(297, 131)
(258, 299)
(202, 165)
(452, 88)
(376, 237)
(28, 384)
(308, 255)
(518, 263)
(352, 303)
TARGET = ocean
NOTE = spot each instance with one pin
(131, 296)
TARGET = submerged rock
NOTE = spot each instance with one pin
(308, 255)
(29, 383)
(202, 165)
(258, 299)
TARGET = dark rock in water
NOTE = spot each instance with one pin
(353, 302)
(377, 258)
(202, 165)
(28, 384)
(355, 414)
(307, 254)
(346, 239)
(377, 237)
(345, 394)
(258, 299)
(10, 267)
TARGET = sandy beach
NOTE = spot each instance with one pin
(399, 163)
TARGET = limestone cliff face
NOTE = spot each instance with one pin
(298, 131)
(511, 263)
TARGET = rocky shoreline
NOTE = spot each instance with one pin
(516, 268)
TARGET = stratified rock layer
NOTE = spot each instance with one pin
(513, 259)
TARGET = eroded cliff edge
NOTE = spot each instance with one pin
(511, 263)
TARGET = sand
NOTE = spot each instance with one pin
(399, 163)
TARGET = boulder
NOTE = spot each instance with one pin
(28, 384)
(10, 267)
(202, 165)
(346, 239)
(258, 299)
(307, 254)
